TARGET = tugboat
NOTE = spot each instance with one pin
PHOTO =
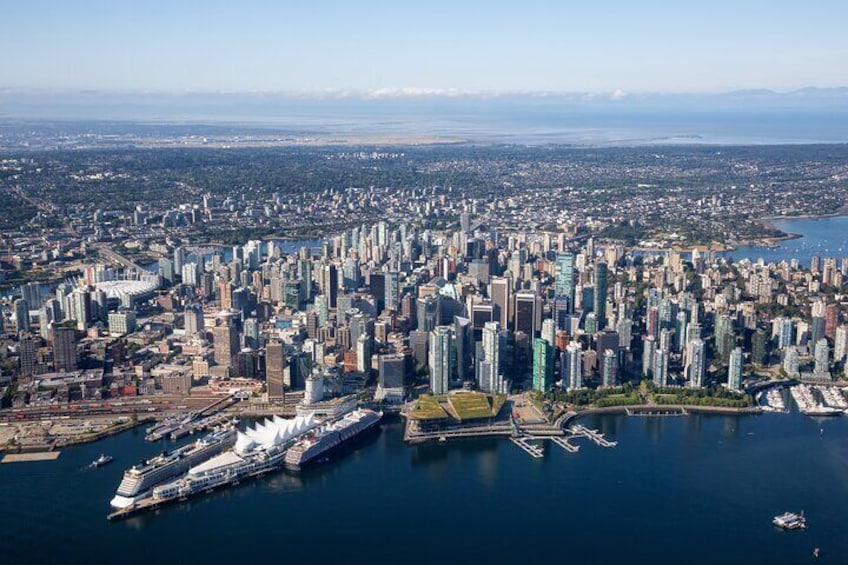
(102, 460)
(790, 521)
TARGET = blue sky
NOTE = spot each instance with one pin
(531, 45)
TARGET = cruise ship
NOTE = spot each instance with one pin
(328, 435)
(256, 451)
(138, 481)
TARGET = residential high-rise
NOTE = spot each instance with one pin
(734, 370)
(441, 359)
(660, 368)
(696, 363)
(609, 368)
(543, 365)
(822, 355)
(27, 350)
(489, 370)
(791, 361)
(573, 368)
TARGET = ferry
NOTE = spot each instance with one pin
(329, 435)
(138, 481)
(790, 521)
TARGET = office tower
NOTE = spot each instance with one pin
(501, 295)
(251, 334)
(465, 222)
(419, 342)
(600, 299)
(190, 274)
(22, 321)
(734, 370)
(660, 368)
(573, 369)
(27, 351)
(304, 267)
(564, 283)
(225, 294)
(193, 319)
(464, 347)
(377, 285)
(440, 359)
(179, 260)
(226, 340)
(331, 285)
(543, 365)
(64, 349)
(528, 313)
(312, 324)
(392, 291)
(429, 312)
(817, 329)
(392, 371)
(696, 365)
(166, 272)
(275, 365)
(121, 322)
(609, 368)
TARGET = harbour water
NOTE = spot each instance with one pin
(826, 237)
(694, 489)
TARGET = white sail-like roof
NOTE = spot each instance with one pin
(273, 432)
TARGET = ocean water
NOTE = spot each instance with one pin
(693, 489)
(825, 237)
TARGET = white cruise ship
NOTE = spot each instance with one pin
(330, 434)
(256, 451)
(137, 482)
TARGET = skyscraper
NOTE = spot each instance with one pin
(64, 349)
(500, 292)
(734, 370)
(226, 340)
(695, 368)
(609, 368)
(564, 283)
(543, 365)
(528, 313)
(573, 376)
(489, 370)
(440, 359)
(275, 364)
(600, 298)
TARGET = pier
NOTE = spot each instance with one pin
(655, 410)
(198, 425)
(579, 430)
(534, 450)
(563, 443)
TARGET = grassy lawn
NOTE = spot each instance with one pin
(470, 405)
(427, 408)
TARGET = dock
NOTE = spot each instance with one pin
(534, 450)
(28, 457)
(198, 425)
(563, 443)
(578, 430)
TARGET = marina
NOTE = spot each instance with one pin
(579, 430)
(809, 405)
